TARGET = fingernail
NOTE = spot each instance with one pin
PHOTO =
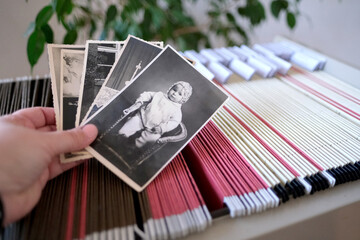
(90, 130)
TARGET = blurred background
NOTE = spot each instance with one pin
(330, 27)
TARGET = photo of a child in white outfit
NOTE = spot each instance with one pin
(153, 118)
(157, 113)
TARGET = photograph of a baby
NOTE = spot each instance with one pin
(156, 114)
(153, 118)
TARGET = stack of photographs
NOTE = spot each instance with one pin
(147, 102)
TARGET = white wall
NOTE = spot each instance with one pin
(331, 27)
(15, 17)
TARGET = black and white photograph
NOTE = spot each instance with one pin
(135, 56)
(54, 54)
(72, 62)
(146, 124)
(100, 56)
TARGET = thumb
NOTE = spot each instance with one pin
(71, 140)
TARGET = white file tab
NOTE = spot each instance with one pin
(304, 61)
(227, 58)
(201, 68)
(305, 58)
(236, 65)
(279, 50)
(226, 54)
(252, 53)
(240, 53)
(260, 68)
(221, 73)
(283, 66)
(212, 56)
(242, 69)
(198, 56)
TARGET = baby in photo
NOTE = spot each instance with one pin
(157, 113)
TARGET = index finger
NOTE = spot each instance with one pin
(36, 117)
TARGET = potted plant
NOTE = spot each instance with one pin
(168, 21)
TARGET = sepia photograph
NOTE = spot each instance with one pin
(72, 62)
(146, 124)
(100, 56)
(135, 56)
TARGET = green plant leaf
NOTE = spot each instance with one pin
(48, 33)
(147, 16)
(68, 7)
(93, 28)
(242, 33)
(162, 20)
(132, 7)
(65, 24)
(86, 9)
(53, 3)
(254, 11)
(242, 11)
(258, 13)
(213, 14)
(63, 7)
(135, 5)
(110, 14)
(120, 30)
(125, 13)
(166, 32)
(35, 46)
(157, 16)
(178, 17)
(146, 23)
(70, 37)
(181, 42)
(291, 20)
(44, 16)
(230, 17)
(80, 21)
(277, 6)
(103, 34)
(134, 30)
(58, 8)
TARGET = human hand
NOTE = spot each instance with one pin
(30, 149)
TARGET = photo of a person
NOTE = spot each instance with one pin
(152, 119)
(157, 113)
(134, 53)
(71, 70)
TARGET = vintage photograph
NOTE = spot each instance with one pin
(151, 119)
(72, 62)
(54, 53)
(100, 56)
(135, 56)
